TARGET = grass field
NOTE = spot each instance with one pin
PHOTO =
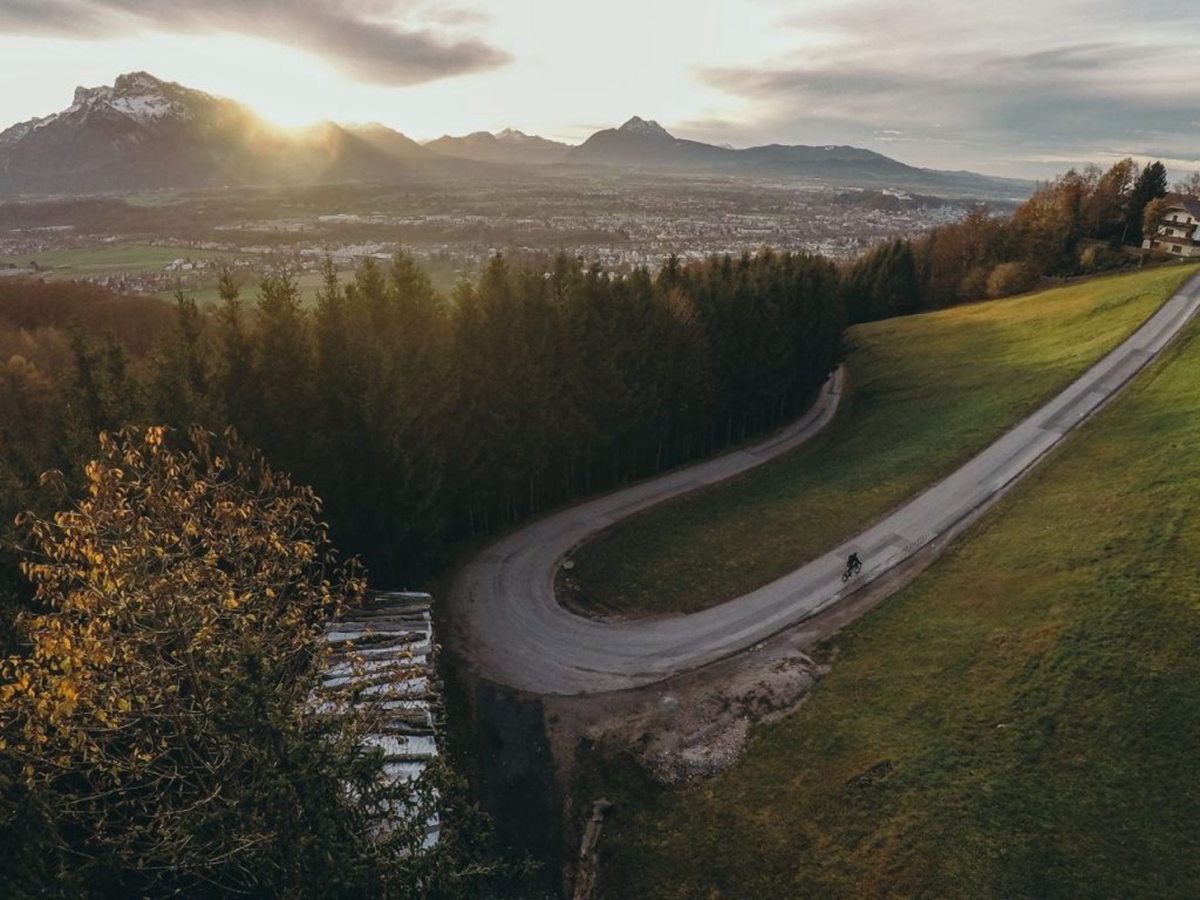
(930, 391)
(1020, 722)
(117, 259)
(130, 259)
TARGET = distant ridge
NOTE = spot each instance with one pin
(143, 132)
(644, 144)
(507, 146)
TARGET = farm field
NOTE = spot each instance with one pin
(132, 259)
(117, 259)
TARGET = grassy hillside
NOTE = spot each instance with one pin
(1021, 722)
(930, 392)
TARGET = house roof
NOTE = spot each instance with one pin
(1182, 201)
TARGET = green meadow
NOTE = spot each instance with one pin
(928, 392)
(1019, 722)
(112, 260)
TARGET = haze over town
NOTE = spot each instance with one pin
(1019, 90)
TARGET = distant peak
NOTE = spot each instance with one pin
(511, 134)
(83, 94)
(138, 96)
(131, 84)
(137, 81)
(638, 125)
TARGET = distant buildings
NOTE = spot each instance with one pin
(1179, 231)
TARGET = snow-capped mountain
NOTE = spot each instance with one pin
(512, 136)
(143, 132)
(138, 98)
(140, 132)
(141, 98)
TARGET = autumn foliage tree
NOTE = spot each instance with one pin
(1072, 225)
(162, 718)
(1152, 216)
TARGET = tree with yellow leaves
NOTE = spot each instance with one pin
(162, 718)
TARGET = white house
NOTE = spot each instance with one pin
(1179, 231)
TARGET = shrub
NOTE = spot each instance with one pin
(163, 718)
(1010, 278)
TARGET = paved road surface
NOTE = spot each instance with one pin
(518, 635)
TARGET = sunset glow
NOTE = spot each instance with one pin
(926, 82)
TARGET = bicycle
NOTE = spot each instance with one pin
(851, 570)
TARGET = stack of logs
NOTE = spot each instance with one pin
(391, 637)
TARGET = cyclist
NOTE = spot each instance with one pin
(853, 563)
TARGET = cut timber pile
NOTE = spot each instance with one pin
(392, 636)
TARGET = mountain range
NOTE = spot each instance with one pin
(508, 146)
(144, 133)
(641, 144)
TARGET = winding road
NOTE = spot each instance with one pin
(515, 632)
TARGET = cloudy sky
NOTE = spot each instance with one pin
(1020, 88)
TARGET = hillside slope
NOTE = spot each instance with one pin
(931, 390)
(1019, 722)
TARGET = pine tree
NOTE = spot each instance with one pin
(1151, 185)
(180, 389)
(235, 382)
(284, 367)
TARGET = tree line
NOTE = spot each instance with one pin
(1074, 225)
(422, 420)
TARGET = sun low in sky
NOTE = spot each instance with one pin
(1016, 88)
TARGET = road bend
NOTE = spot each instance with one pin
(516, 633)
